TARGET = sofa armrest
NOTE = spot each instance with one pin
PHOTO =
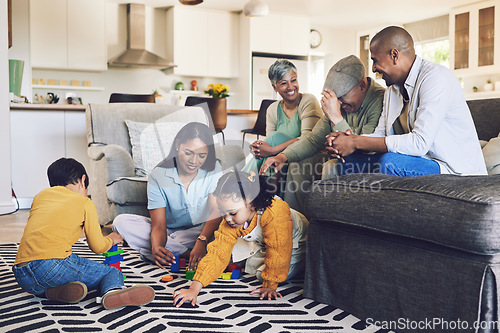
(118, 161)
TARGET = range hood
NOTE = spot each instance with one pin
(136, 55)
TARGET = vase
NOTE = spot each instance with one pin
(218, 111)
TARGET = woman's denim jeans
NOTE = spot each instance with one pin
(39, 275)
(389, 164)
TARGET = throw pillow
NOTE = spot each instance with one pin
(491, 153)
(151, 143)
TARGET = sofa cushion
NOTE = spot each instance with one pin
(455, 211)
(128, 191)
(491, 153)
(151, 143)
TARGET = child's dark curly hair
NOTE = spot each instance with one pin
(254, 189)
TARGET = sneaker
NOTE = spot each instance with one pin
(72, 292)
(135, 295)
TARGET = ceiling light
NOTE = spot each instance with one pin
(190, 2)
(256, 8)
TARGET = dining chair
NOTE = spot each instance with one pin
(259, 128)
(131, 98)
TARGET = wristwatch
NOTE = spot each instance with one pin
(202, 238)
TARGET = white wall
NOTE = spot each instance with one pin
(6, 204)
(336, 44)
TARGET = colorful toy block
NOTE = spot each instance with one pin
(116, 265)
(235, 274)
(190, 275)
(182, 263)
(113, 258)
(175, 267)
(232, 267)
(167, 278)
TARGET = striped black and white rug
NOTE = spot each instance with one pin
(224, 306)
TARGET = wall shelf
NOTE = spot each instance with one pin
(45, 86)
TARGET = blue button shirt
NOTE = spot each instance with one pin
(184, 209)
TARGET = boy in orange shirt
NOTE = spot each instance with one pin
(44, 263)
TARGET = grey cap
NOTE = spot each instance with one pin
(345, 75)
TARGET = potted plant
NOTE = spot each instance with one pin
(488, 86)
(474, 89)
(218, 105)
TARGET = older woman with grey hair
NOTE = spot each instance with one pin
(288, 119)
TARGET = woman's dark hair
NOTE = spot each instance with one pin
(189, 132)
(66, 171)
(239, 184)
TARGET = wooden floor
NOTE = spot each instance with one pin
(12, 226)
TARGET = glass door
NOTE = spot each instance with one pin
(462, 41)
(486, 36)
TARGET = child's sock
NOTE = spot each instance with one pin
(72, 292)
(135, 295)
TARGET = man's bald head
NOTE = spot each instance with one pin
(393, 38)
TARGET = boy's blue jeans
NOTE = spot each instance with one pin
(39, 275)
(389, 164)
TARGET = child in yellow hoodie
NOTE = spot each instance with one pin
(45, 265)
(258, 228)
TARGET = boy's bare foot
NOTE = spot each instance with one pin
(135, 295)
(72, 292)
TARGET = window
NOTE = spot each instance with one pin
(437, 51)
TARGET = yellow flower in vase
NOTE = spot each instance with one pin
(217, 90)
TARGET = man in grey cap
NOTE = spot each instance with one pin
(351, 101)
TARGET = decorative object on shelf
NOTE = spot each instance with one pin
(190, 2)
(315, 38)
(74, 100)
(86, 83)
(497, 85)
(52, 82)
(194, 85)
(488, 86)
(63, 82)
(16, 68)
(179, 86)
(158, 97)
(52, 98)
(218, 90)
(474, 89)
(255, 8)
(75, 83)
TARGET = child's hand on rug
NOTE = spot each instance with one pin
(116, 238)
(185, 295)
(266, 292)
(163, 257)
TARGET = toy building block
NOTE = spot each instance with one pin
(116, 265)
(190, 275)
(182, 263)
(167, 278)
(112, 260)
(175, 267)
(226, 276)
(113, 248)
(235, 274)
(114, 253)
(232, 267)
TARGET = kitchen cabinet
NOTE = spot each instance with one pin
(68, 34)
(475, 38)
(39, 136)
(202, 42)
(280, 33)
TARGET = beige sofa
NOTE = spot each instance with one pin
(117, 185)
